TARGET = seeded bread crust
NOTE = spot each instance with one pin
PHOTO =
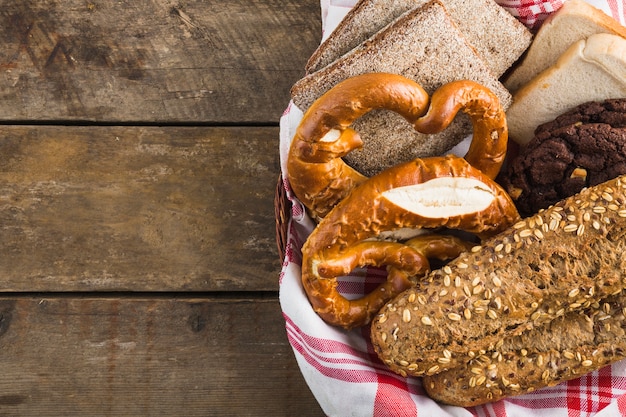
(560, 260)
(569, 346)
(425, 46)
(496, 35)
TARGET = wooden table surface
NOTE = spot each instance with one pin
(138, 162)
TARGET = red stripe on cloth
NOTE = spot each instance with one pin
(613, 6)
(621, 404)
(361, 281)
(322, 344)
(590, 393)
(392, 400)
(307, 346)
(393, 393)
(342, 374)
(531, 12)
(496, 409)
(317, 348)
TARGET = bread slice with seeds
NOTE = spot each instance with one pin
(498, 37)
(560, 260)
(425, 46)
(587, 340)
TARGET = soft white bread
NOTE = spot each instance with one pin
(495, 34)
(574, 21)
(590, 70)
(423, 45)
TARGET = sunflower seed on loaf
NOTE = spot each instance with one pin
(531, 282)
(569, 346)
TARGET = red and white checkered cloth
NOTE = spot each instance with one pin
(341, 368)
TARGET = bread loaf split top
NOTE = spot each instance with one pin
(562, 259)
(568, 347)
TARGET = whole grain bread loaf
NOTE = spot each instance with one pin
(560, 260)
(569, 346)
(498, 37)
(425, 46)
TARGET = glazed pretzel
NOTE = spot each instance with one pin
(442, 192)
(490, 132)
(317, 174)
(320, 178)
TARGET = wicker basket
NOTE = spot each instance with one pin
(282, 211)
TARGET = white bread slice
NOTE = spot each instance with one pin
(592, 69)
(574, 21)
(423, 45)
(495, 34)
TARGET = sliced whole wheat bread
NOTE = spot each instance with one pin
(424, 45)
(495, 34)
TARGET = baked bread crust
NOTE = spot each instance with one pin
(569, 346)
(496, 35)
(560, 260)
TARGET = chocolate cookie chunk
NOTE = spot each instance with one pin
(581, 148)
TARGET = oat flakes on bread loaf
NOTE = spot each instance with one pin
(496, 35)
(583, 147)
(544, 266)
(574, 21)
(593, 69)
(568, 347)
(425, 46)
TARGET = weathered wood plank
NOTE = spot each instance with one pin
(138, 208)
(148, 357)
(153, 60)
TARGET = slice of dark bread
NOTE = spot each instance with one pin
(424, 45)
(496, 35)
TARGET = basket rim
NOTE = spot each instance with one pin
(282, 211)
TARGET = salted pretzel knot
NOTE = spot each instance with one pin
(490, 132)
(424, 194)
(320, 178)
(317, 174)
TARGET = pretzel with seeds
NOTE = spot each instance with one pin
(426, 194)
(320, 178)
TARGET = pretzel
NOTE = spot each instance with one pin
(425, 193)
(317, 174)
(320, 178)
(490, 132)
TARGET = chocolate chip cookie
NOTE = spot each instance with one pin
(583, 147)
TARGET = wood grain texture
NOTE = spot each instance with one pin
(138, 164)
(138, 208)
(230, 61)
(147, 357)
